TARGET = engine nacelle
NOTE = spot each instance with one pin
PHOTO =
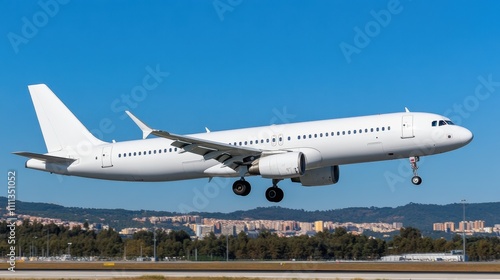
(279, 166)
(319, 177)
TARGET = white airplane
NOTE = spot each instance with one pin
(309, 153)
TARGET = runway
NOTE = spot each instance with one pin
(86, 274)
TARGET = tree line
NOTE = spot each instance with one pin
(36, 239)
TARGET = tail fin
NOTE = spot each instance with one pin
(60, 128)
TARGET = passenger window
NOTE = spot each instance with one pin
(246, 143)
(371, 129)
(388, 128)
(315, 135)
(343, 132)
(119, 155)
(366, 130)
(354, 131)
(298, 137)
(170, 150)
(377, 129)
(289, 138)
(139, 153)
(383, 128)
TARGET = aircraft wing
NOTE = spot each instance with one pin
(206, 148)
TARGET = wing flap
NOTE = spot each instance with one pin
(206, 148)
(181, 141)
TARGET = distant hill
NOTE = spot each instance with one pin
(421, 216)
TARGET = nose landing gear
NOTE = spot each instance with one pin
(416, 180)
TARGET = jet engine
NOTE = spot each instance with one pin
(319, 177)
(279, 166)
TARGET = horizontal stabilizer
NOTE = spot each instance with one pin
(46, 158)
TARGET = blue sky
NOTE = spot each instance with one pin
(230, 64)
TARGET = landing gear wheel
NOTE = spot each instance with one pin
(274, 194)
(416, 180)
(242, 187)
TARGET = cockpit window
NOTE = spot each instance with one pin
(442, 122)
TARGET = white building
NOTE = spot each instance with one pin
(428, 257)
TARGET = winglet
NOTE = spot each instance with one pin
(407, 110)
(146, 130)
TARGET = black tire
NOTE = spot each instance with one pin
(241, 187)
(416, 180)
(274, 194)
(280, 196)
(248, 188)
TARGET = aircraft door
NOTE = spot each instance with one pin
(407, 127)
(106, 156)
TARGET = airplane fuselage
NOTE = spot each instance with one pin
(324, 143)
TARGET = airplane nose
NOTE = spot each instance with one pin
(466, 136)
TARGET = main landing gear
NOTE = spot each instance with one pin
(416, 180)
(242, 187)
(273, 194)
